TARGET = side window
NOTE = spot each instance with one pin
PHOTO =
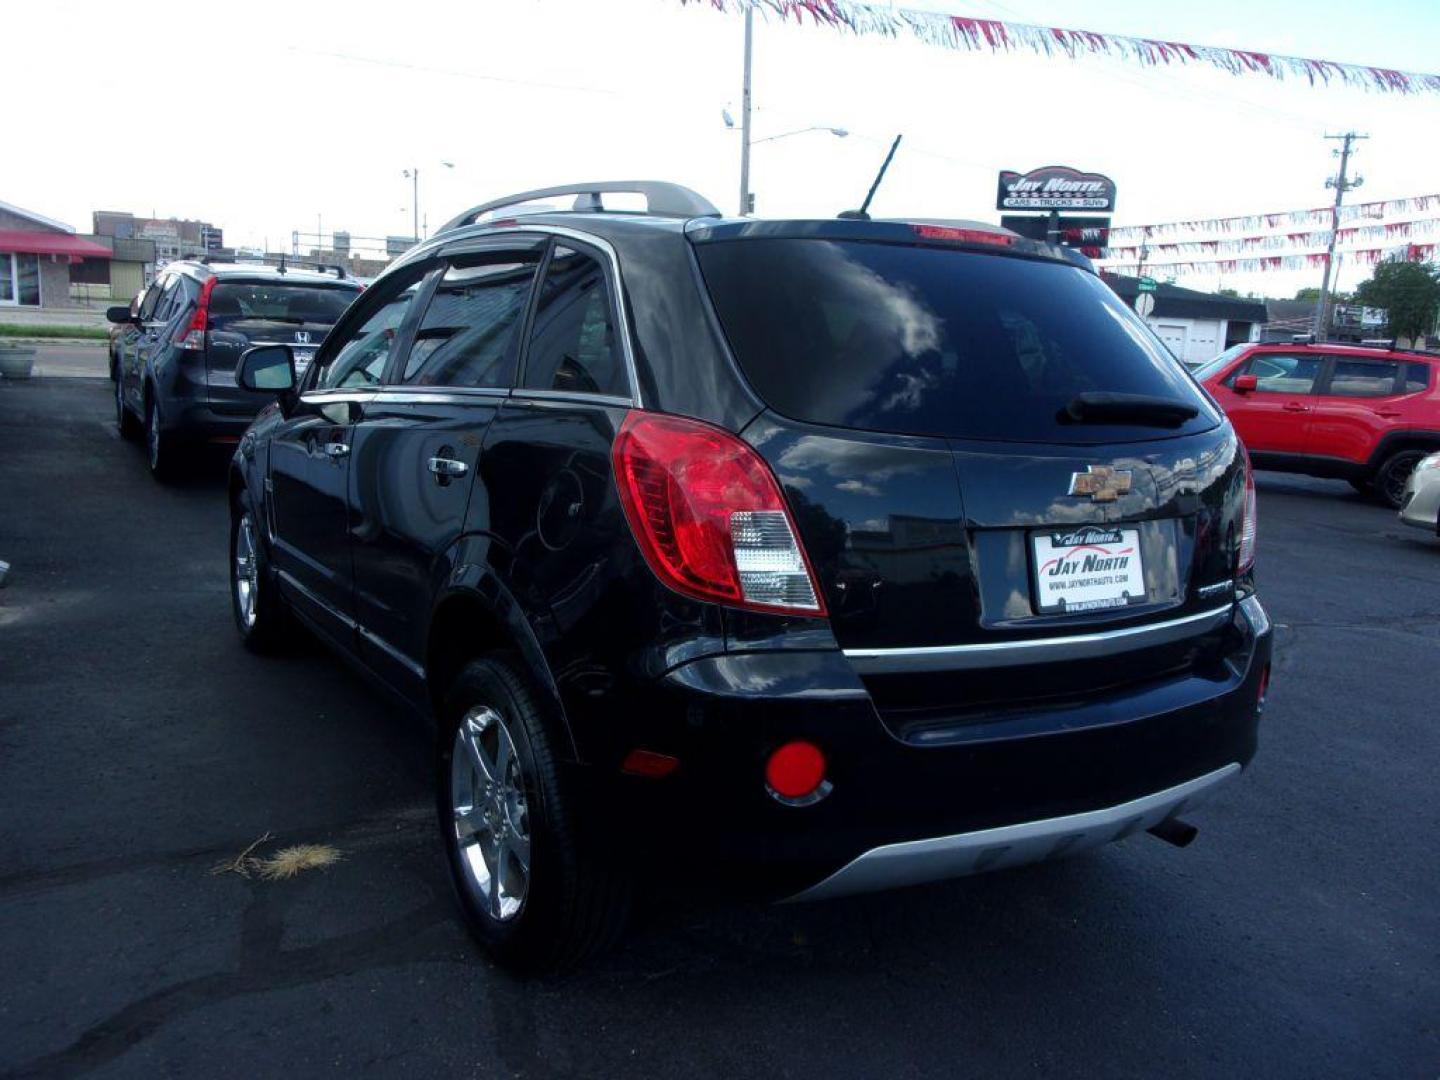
(170, 300)
(1417, 377)
(470, 333)
(1277, 374)
(152, 298)
(361, 358)
(574, 344)
(1363, 378)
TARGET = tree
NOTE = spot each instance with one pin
(1409, 293)
(1309, 293)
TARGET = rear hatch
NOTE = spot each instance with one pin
(265, 312)
(985, 452)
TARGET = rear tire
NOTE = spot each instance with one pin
(535, 895)
(259, 613)
(1391, 477)
(159, 447)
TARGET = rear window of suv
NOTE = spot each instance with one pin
(929, 341)
(319, 305)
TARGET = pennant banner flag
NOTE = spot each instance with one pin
(1128, 235)
(1361, 234)
(992, 35)
(1364, 256)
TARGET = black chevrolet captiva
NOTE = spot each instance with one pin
(810, 556)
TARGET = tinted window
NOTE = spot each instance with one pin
(300, 305)
(1278, 374)
(470, 333)
(361, 359)
(573, 345)
(152, 297)
(171, 300)
(1363, 378)
(930, 341)
(1417, 377)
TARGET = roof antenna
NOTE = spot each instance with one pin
(861, 214)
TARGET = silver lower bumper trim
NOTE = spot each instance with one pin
(917, 861)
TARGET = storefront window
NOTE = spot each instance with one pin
(19, 279)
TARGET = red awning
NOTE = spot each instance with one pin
(46, 243)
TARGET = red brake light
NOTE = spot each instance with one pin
(963, 236)
(192, 336)
(709, 517)
(1246, 558)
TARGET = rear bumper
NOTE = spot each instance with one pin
(917, 861)
(906, 810)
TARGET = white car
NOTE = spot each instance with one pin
(1420, 505)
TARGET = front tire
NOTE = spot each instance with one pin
(1392, 476)
(534, 894)
(259, 617)
(125, 421)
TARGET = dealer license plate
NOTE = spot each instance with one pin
(302, 360)
(1086, 569)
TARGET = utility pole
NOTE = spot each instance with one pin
(747, 202)
(1341, 184)
(415, 201)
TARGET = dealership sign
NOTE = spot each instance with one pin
(1055, 187)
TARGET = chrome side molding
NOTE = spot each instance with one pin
(991, 654)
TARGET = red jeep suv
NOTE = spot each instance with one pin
(1361, 414)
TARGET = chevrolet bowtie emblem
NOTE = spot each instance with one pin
(1101, 483)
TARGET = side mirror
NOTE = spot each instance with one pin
(267, 368)
(1244, 384)
(119, 314)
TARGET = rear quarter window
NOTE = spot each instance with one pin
(934, 341)
(258, 302)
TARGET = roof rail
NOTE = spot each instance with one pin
(661, 199)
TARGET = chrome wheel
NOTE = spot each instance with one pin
(246, 574)
(492, 824)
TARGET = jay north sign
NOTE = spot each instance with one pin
(1055, 187)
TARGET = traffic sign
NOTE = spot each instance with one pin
(1148, 284)
(1145, 304)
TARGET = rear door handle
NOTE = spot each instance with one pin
(336, 449)
(1295, 406)
(447, 467)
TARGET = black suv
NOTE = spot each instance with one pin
(819, 556)
(174, 361)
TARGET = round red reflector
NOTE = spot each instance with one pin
(796, 770)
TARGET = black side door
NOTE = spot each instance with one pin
(417, 450)
(310, 456)
(545, 490)
(131, 365)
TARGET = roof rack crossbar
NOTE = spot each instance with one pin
(661, 199)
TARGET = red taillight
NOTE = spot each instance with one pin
(649, 764)
(1246, 558)
(192, 336)
(709, 517)
(796, 770)
(962, 236)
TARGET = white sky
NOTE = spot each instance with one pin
(261, 116)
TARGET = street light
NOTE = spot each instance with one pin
(747, 197)
(413, 175)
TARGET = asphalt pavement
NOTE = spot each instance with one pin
(140, 746)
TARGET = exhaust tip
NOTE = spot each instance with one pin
(1174, 831)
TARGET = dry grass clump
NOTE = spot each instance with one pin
(285, 863)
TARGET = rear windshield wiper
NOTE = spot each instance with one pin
(1095, 407)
